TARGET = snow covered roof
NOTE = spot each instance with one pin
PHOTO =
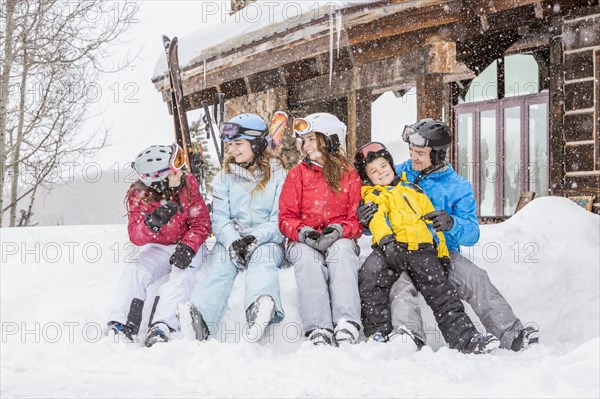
(257, 21)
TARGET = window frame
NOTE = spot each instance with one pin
(499, 106)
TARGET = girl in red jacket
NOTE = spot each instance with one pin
(317, 214)
(168, 217)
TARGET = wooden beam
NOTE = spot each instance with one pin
(556, 108)
(359, 119)
(430, 96)
(390, 72)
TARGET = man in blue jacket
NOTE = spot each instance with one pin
(456, 216)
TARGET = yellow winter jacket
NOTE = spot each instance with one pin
(400, 212)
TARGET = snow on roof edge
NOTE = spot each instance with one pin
(239, 30)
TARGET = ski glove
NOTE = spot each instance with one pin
(241, 249)
(365, 213)
(160, 216)
(329, 235)
(309, 236)
(441, 220)
(394, 253)
(182, 257)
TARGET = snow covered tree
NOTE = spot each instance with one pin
(53, 53)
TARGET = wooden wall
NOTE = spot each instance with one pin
(576, 145)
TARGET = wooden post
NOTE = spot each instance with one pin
(430, 96)
(359, 119)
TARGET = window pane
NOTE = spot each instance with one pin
(465, 146)
(512, 159)
(538, 149)
(521, 75)
(487, 157)
(484, 87)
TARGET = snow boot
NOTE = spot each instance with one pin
(346, 332)
(322, 336)
(158, 332)
(191, 323)
(259, 316)
(121, 332)
(526, 337)
(481, 343)
(402, 336)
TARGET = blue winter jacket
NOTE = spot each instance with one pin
(451, 192)
(239, 210)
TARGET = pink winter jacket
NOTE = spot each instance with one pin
(191, 227)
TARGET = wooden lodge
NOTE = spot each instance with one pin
(518, 81)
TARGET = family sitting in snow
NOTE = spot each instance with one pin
(419, 213)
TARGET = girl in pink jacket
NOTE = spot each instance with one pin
(169, 220)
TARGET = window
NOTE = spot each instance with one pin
(502, 136)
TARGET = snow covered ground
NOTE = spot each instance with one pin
(57, 284)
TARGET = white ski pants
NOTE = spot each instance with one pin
(150, 265)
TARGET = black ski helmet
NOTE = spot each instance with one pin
(429, 133)
(246, 126)
(368, 153)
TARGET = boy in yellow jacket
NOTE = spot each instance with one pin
(405, 241)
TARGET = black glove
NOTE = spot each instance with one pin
(182, 257)
(441, 220)
(309, 236)
(365, 213)
(241, 249)
(329, 235)
(160, 216)
(394, 253)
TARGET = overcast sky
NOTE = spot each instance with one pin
(135, 113)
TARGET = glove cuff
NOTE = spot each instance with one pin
(338, 228)
(303, 232)
(387, 239)
(150, 224)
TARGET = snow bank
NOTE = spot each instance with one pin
(57, 283)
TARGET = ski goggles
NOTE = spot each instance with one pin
(412, 136)
(231, 131)
(301, 127)
(176, 162)
(370, 151)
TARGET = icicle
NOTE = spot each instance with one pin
(330, 47)
(204, 67)
(338, 29)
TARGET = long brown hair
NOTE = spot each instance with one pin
(262, 161)
(335, 163)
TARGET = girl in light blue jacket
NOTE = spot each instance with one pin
(245, 223)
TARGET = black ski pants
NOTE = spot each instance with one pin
(376, 278)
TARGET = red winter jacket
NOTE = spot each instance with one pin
(307, 200)
(191, 227)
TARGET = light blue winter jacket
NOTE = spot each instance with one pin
(451, 192)
(239, 210)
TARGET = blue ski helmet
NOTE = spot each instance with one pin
(246, 126)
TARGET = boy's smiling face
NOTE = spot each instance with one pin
(380, 172)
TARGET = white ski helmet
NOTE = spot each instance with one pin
(155, 163)
(329, 125)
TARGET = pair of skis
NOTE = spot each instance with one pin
(194, 158)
